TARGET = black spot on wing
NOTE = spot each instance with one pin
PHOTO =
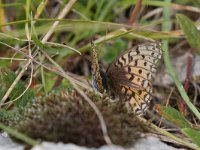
(124, 60)
(140, 71)
(143, 56)
(118, 63)
(137, 50)
(130, 57)
(132, 77)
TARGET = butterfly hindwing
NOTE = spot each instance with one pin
(137, 100)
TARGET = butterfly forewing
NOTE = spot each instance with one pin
(132, 73)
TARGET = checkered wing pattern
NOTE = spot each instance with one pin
(131, 74)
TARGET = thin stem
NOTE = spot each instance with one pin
(60, 16)
(181, 103)
(135, 12)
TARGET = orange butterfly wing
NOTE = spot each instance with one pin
(131, 75)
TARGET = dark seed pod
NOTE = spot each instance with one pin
(67, 117)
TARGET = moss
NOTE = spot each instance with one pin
(68, 118)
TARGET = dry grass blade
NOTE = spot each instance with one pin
(135, 12)
(63, 13)
(98, 113)
(169, 135)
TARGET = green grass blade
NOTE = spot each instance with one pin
(40, 8)
(174, 116)
(193, 134)
(19, 135)
(191, 32)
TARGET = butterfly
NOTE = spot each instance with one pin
(130, 76)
